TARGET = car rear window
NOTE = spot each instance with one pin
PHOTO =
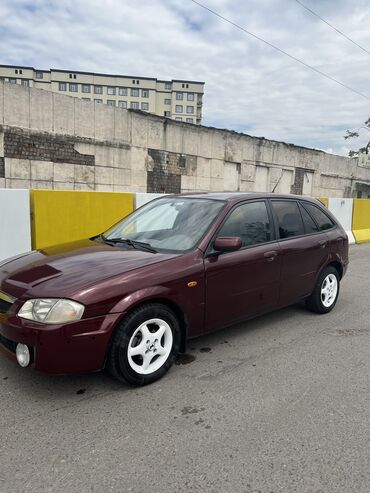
(288, 218)
(323, 221)
(309, 224)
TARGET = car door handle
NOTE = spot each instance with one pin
(270, 256)
(323, 243)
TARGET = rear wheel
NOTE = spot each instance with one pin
(326, 291)
(144, 345)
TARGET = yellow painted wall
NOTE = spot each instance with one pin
(325, 200)
(63, 216)
(361, 220)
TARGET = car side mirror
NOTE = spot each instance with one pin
(227, 243)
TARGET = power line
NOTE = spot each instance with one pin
(280, 50)
(333, 27)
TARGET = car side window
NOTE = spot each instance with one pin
(309, 224)
(250, 222)
(319, 216)
(288, 218)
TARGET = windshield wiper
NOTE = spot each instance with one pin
(133, 243)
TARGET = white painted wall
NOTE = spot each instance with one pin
(15, 233)
(342, 210)
(143, 198)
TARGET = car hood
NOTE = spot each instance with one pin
(65, 269)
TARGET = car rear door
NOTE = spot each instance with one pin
(305, 249)
(245, 282)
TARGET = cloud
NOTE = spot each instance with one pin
(249, 86)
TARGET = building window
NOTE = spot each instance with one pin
(62, 86)
(179, 96)
(86, 99)
(190, 96)
(190, 109)
(86, 88)
(145, 106)
(74, 76)
(25, 82)
(122, 91)
(98, 100)
(39, 75)
(98, 90)
(135, 92)
(122, 104)
(178, 108)
(178, 118)
(134, 105)
(167, 101)
(73, 87)
(144, 93)
(135, 81)
(70, 76)
(111, 91)
(16, 71)
(12, 81)
(20, 71)
(167, 113)
(189, 120)
(111, 102)
(168, 85)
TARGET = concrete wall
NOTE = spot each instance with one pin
(50, 141)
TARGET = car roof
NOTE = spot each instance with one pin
(238, 196)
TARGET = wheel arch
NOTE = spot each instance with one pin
(337, 266)
(163, 301)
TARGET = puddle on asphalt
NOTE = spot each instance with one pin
(184, 359)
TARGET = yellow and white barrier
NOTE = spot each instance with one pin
(144, 198)
(42, 218)
(15, 235)
(63, 216)
(343, 210)
(361, 220)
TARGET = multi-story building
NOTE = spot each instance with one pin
(177, 99)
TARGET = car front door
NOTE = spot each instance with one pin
(245, 282)
(305, 249)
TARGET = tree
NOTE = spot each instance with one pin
(353, 134)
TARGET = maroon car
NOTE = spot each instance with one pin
(178, 267)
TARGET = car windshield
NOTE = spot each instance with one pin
(174, 224)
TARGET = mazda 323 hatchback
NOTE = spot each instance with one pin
(177, 268)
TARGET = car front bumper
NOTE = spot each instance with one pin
(70, 348)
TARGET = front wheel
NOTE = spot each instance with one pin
(145, 345)
(326, 291)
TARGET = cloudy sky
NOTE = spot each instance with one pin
(250, 87)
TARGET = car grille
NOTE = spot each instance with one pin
(5, 302)
(8, 344)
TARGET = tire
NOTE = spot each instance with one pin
(325, 294)
(144, 345)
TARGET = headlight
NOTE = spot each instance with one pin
(51, 311)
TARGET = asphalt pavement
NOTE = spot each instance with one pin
(277, 404)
